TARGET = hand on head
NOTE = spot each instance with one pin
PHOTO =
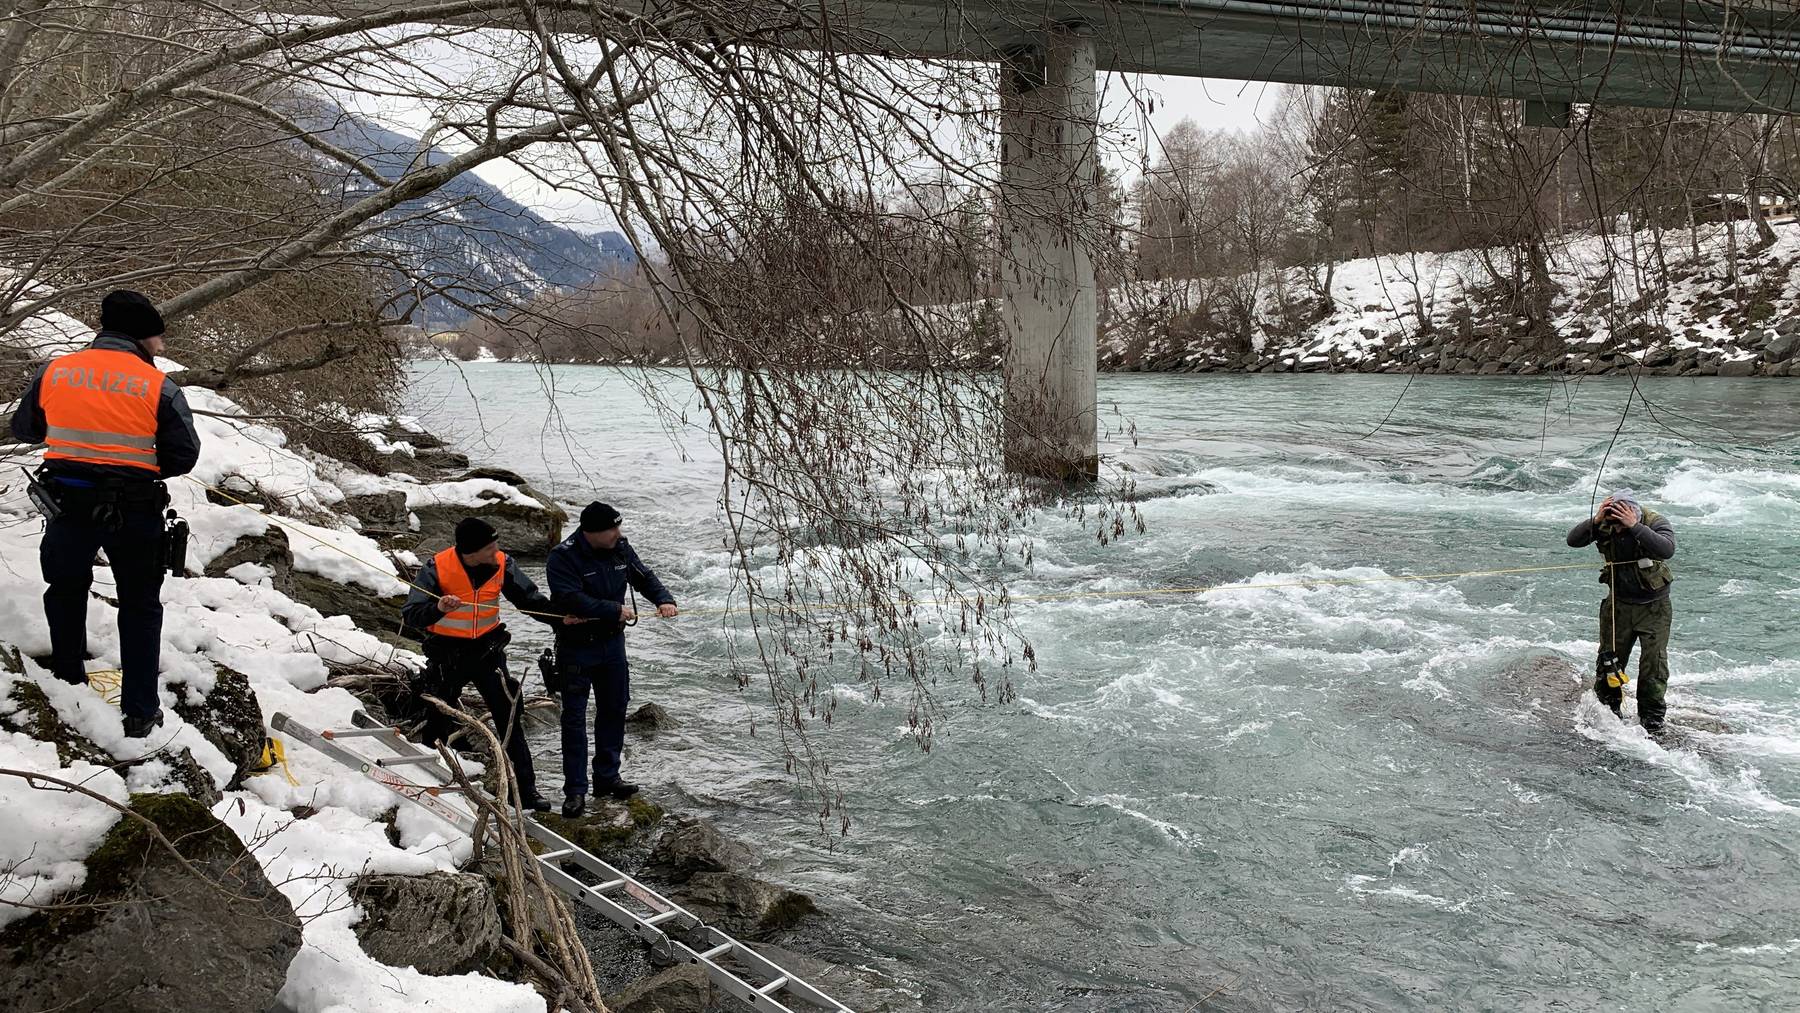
(1620, 512)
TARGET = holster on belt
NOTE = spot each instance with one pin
(106, 501)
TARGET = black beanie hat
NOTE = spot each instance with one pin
(474, 534)
(598, 516)
(131, 314)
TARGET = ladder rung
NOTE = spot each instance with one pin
(595, 895)
(774, 986)
(401, 761)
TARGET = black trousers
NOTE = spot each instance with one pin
(454, 669)
(134, 548)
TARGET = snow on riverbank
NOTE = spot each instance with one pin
(1610, 298)
(283, 647)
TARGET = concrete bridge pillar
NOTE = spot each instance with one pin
(1050, 224)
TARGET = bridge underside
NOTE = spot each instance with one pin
(1710, 55)
(1687, 54)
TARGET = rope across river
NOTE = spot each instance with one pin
(1123, 593)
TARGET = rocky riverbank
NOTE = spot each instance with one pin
(1714, 309)
(1487, 353)
(199, 870)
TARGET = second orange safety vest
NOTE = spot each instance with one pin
(480, 613)
(100, 405)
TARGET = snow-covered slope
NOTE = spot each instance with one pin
(1610, 300)
(284, 647)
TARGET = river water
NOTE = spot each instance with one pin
(1380, 796)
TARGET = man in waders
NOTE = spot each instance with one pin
(589, 575)
(1636, 544)
(113, 427)
(456, 600)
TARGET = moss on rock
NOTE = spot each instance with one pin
(37, 717)
(114, 866)
(608, 828)
(150, 932)
(230, 718)
(644, 812)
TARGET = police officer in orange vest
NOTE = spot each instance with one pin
(114, 428)
(456, 601)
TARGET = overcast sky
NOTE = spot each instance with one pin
(1212, 103)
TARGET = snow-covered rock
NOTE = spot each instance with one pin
(441, 923)
(529, 522)
(153, 931)
(312, 825)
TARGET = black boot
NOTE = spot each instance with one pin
(573, 806)
(137, 728)
(620, 790)
(533, 802)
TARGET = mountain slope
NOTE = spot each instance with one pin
(470, 235)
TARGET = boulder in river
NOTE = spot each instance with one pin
(608, 828)
(695, 847)
(148, 932)
(744, 906)
(650, 718)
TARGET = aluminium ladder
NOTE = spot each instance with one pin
(622, 899)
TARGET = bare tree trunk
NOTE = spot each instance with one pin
(1754, 183)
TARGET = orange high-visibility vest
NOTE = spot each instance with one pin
(481, 612)
(101, 408)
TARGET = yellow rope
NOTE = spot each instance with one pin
(273, 755)
(107, 683)
(1060, 596)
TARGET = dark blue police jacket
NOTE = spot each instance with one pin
(592, 583)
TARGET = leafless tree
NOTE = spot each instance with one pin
(779, 195)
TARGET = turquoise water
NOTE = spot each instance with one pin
(1391, 795)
